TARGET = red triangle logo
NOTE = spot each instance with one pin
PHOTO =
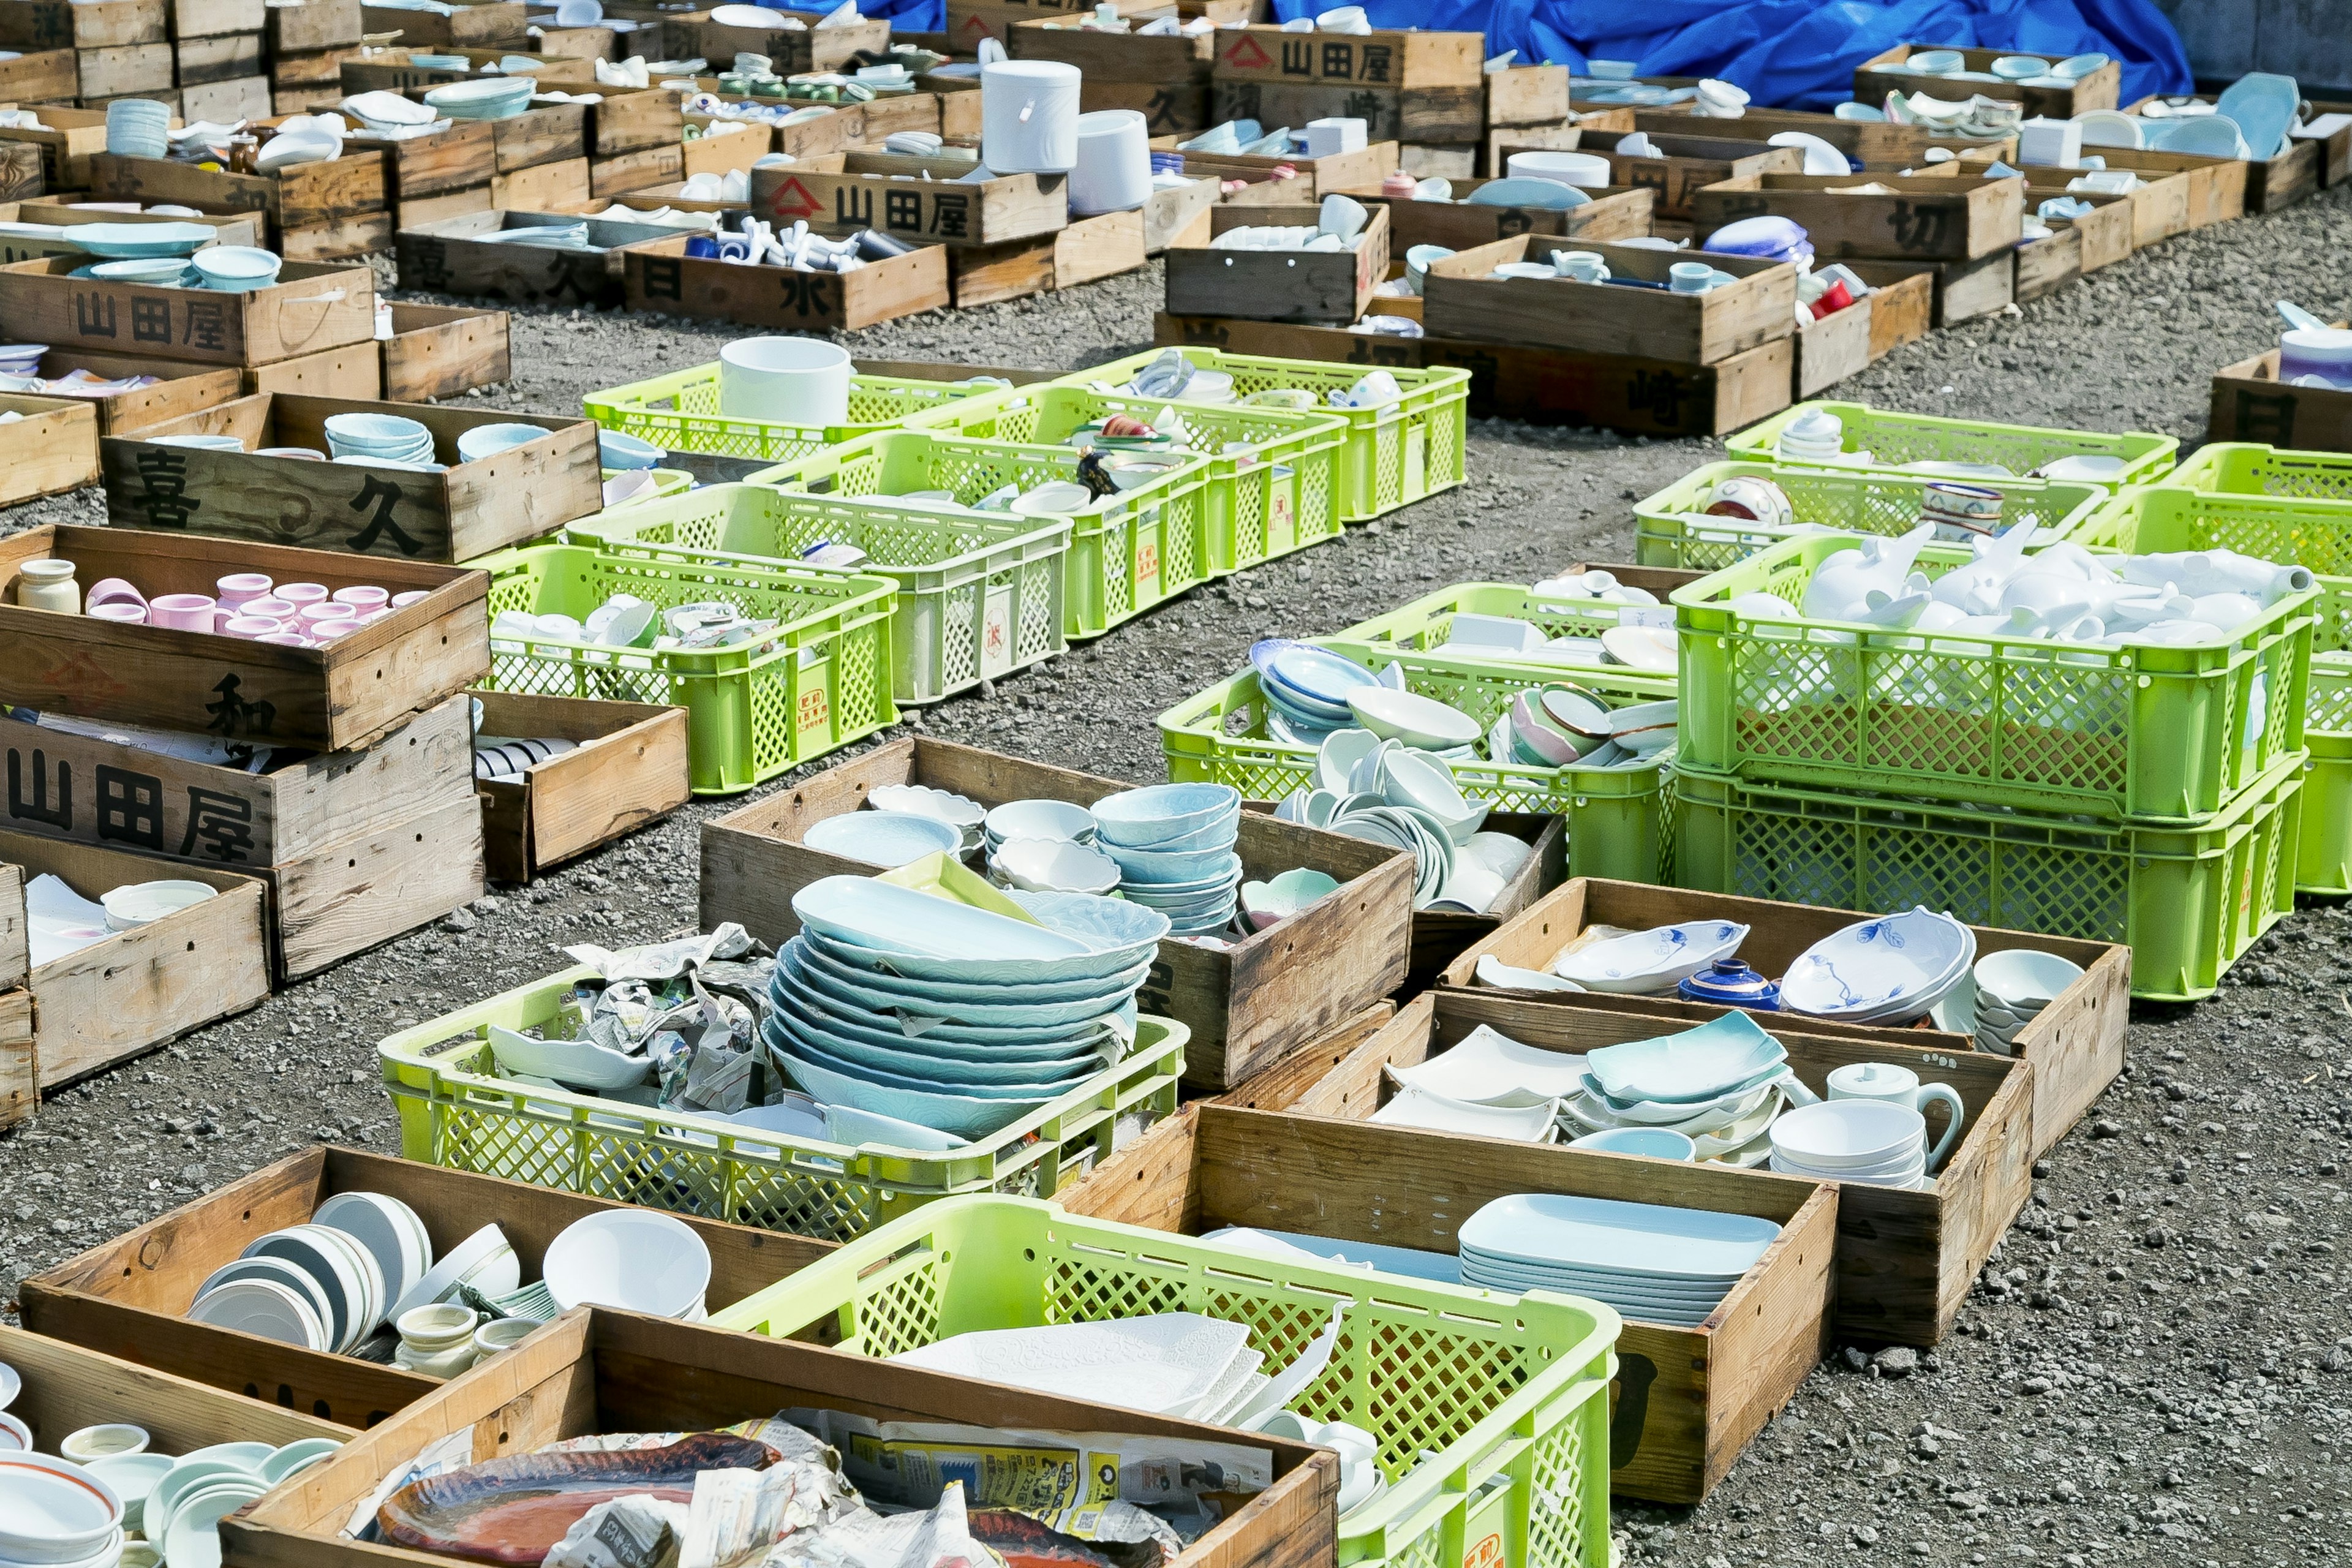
(1247, 55)
(977, 25)
(793, 200)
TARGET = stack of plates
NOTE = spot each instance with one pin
(21, 359)
(1174, 847)
(156, 271)
(1870, 1141)
(483, 98)
(2009, 990)
(177, 1504)
(546, 235)
(1650, 1262)
(1305, 689)
(389, 437)
(138, 127)
(1722, 1085)
(885, 838)
(1892, 970)
(141, 240)
(1046, 846)
(952, 1015)
(308, 1285)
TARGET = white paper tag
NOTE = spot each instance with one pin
(1659, 616)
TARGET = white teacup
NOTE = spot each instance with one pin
(1894, 1085)
(1584, 265)
(1690, 277)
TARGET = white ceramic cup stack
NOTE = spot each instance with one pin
(1029, 117)
(793, 380)
(2013, 987)
(138, 127)
(1113, 173)
(1870, 1141)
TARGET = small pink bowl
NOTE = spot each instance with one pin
(299, 593)
(270, 605)
(402, 601)
(114, 591)
(118, 611)
(181, 612)
(330, 631)
(317, 615)
(238, 587)
(363, 598)
(253, 628)
(284, 640)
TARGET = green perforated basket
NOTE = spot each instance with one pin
(2153, 734)
(1491, 1411)
(1615, 816)
(2188, 901)
(1673, 529)
(2324, 865)
(1396, 454)
(456, 1110)
(1128, 551)
(1277, 496)
(979, 594)
(2243, 468)
(679, 413)
(2311, 532)
(820, 681)
(1893, 440)
(1426, 624)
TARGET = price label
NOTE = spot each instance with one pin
(1659, 616)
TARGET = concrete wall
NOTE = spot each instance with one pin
(2310, 40)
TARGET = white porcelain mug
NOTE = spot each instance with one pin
(1114, 167)
(1894, 1085)
(797, 380)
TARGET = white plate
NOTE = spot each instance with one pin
(1420, 1108)
(1488, 1068)
(1653, 961)
(388, 1228)
(887, 918)
(1160, 1365)
(1677, 1243)
(265, 1308)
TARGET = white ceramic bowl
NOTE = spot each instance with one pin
(52, 1511)
(467, 1257)
(1848, 1134)
(143, 903)
(1055, 819)
(1418, 722)
(629, 1258)
(2024, 979)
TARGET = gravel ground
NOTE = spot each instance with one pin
(2153, 1364)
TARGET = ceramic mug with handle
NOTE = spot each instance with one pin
(1901, 1086)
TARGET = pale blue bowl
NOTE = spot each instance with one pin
(956, 999)
(1174, 868)
(620, 451)
(1159, 814)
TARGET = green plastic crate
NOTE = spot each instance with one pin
(1395, 455)
(2316, 533)
(667, 482)
(2243, 468)
(457, 1112)
(979, 594)
(1615, 816)
(1422, 626)
(1671, 530)
(1491, 1411)
(1128, 551)
(2152, 735)
(1893, 440)
(823, 680)
(2188, 901)
(2324, 865)
(1280, 497)
(679, 413)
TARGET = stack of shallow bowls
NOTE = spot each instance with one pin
(958, 811)
(54, 1511)
(1721, 1085)
(948, 1015)
(1305, 689)
(378, 438)
(310, 1285)
(1869, 1140)
(1892, 970)
(1174, 846)
(2012, 989)
(1650, 1261)
(138, 127)
(237, 269)
(483, 98)
(185, 1499)
(1046, 846)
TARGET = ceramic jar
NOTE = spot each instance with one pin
(48, 585)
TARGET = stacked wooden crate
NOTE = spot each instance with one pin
(309, 41)
(468, 23)
(634, 139)
(216, 59)
(1410, 88)
(85, 51)
(325, 211)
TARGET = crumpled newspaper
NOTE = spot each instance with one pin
(939, 1537)
(664, 960)
(694, 1006)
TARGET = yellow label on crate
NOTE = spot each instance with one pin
(814, 711)
(1484, 1553)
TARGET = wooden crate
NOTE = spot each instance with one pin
(457, 513)
(229, 100)
(722, 154)
(336, 698)
(138, 989)
(455, 255)
(183, 389)
(1833, 348)
(129, 70)
(1169, 108)
(2335, 147)
(2047, 265)
(1171, 213)
(2252, 404)
(1871, 142)
(1379, 58)
(598, 1371)
(2275, 183)
(64, 146)
(314, 26)
(626, 121)
(543, 188)
(543, 134)
(970, 21)
(66, 1388)
(1685, 1400)
(226, 57)
(2217, 186)
(229, 228)
(1902, 309)
(209, 18)
(912, 198)
(1526, 95)
(1327, 287)
(20, 1080)
(49, 449)
(43, 76)
(473, 23)
(1963, 290)
(303, 100)
(16, 950)
(795, 52)
(355, 847)
(625, 172)
(1163, 61)
(1311, 179)
(1460, 300)
(127, 1297)
(415, 211)
(1452, 113)
(354, 372)
(393, 71)
(1564, 134)
(2075, 1045)
(1247, 1005)
(663, 278)
(20, 171)
(298, 197)
(1619, 212)
(2105, 234)
(1690, 163)
(629, 769)
(1904, 1257)
(2099, 90)
(444, 351)
(46, 24)
(1441, 161)
(462, 157)
(1086, 251)
(1929, 217)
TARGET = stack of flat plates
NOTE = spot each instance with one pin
(1650, 1262)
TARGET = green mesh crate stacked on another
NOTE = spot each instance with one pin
(1426, 624)
(1615, 817)
(2188, 900)
(821, 679)
(1396, 453)
(1128, 551)
(1672, 529)
(1491, 1412)
(2243, 468)
(979, 594)
(1280, 495)
(679, 413)
(1894, 439)
(456, 1110)
(2142, 733)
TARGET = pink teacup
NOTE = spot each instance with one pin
(238, 587)
(128, 615)
(253, 628)
(114, 591)
(284, 640)
(402, 601)
(268, 604)
(181, 612)
(313, 616)
(299, 593)
(326, 632)
(363, 598)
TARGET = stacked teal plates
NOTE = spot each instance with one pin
(483, 98)
(133, 241)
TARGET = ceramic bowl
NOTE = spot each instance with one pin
(143, 903)
(1049, 819)
(1654, 1141)
(108, 1440)
(1418, 722)
(236, 268)
(295, 1455)
(884, 839)
(1848, 1134)
(133, 1476)
(52, 1511)
(1652, 962)
(619, 451)
(502, 1334)
(958, 811)
(633, 1259)
(488, 440)
(1175, 872)
(1054, 866)
(1281, 897)
(1413, 779)
(2023, 979)
(1876, 968)
(1143, 819)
